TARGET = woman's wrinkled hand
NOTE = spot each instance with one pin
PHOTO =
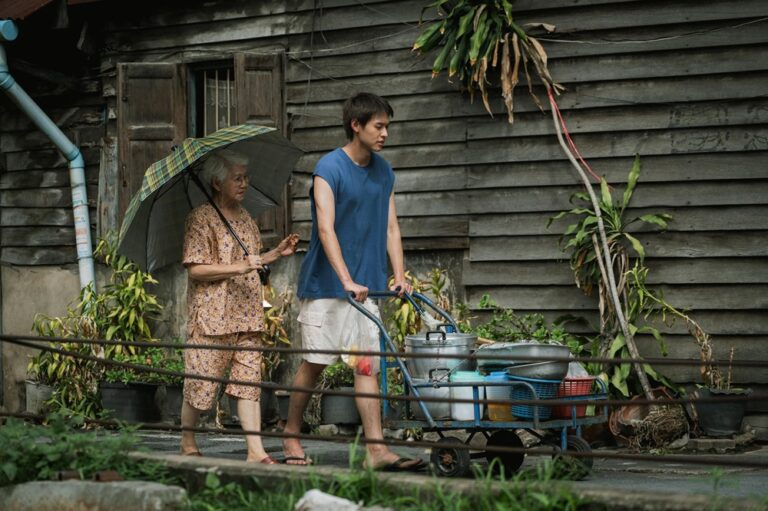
(250, 263)
(288, 245)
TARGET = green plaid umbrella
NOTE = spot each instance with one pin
(152, 233)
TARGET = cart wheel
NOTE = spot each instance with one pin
(574, 467)
(506, 463)
(447, 460)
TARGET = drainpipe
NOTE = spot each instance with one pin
(8, 32)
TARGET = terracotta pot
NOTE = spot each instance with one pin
(622, 419)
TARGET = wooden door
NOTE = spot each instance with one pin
(151, 120)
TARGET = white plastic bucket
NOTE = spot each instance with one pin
(466, 411)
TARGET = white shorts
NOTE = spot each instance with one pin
(334, 324)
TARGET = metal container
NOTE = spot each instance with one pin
(437, 345)
(552, 370)
(437, 409)
(511, 351)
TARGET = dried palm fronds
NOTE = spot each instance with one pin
(478, 36)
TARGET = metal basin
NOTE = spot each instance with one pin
(510, 353)
(552, 370)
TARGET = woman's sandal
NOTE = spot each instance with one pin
(268, 460)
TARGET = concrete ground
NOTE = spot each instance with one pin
(644, 484)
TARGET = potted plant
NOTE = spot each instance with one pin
(338, 409)
(171, 392)
(73, 380)
(121, 311)
(718, 418)
(275, 335)
(132, 394)
(38, 385)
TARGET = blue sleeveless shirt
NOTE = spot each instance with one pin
(361, 196)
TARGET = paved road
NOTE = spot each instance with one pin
(609, 473)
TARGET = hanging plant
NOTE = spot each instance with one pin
(476, 36)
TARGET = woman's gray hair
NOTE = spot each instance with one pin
(218, 164)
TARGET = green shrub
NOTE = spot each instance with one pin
(30, 452)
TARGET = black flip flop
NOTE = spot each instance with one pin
(399, 465)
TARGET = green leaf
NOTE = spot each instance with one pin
(439, 62)
(650, 371)
(620, 384)
(659, 220)
(605, 192)
(465, 21)
(507, 5)
(459, 56)
(478, 37)
(625, 369)
(111, 331)
(634, 175)
(618, 343)
(636, 245)
(10, 470)
(429, 38)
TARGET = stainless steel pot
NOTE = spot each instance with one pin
(437, 345)
(437, 409)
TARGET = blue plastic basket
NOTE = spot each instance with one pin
(545, 389)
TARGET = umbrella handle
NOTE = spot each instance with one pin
(264, 272)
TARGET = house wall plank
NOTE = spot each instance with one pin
(733, 218)
(670, 244)
(611, 119)
(704, 270)
(721, 297)
(741, 86)
(48, 256)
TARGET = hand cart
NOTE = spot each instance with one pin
(452, 458)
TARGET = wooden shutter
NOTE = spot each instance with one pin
(151, 117)
(259, 85)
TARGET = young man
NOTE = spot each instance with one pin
(354, 227)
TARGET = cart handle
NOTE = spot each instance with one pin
(390, 345)
(419, 309)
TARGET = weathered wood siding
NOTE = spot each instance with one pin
(680, 82)
(35, 194)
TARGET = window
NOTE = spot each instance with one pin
(212, 99)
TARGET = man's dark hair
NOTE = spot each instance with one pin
(362, 107)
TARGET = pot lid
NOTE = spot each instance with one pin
(440, 339)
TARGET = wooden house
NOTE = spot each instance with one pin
(681, 83)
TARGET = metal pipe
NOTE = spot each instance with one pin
(67, 148)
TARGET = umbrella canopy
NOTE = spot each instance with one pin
(152, 233)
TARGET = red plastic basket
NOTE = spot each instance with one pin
(574, 386)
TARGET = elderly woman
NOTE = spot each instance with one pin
(225, 301)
